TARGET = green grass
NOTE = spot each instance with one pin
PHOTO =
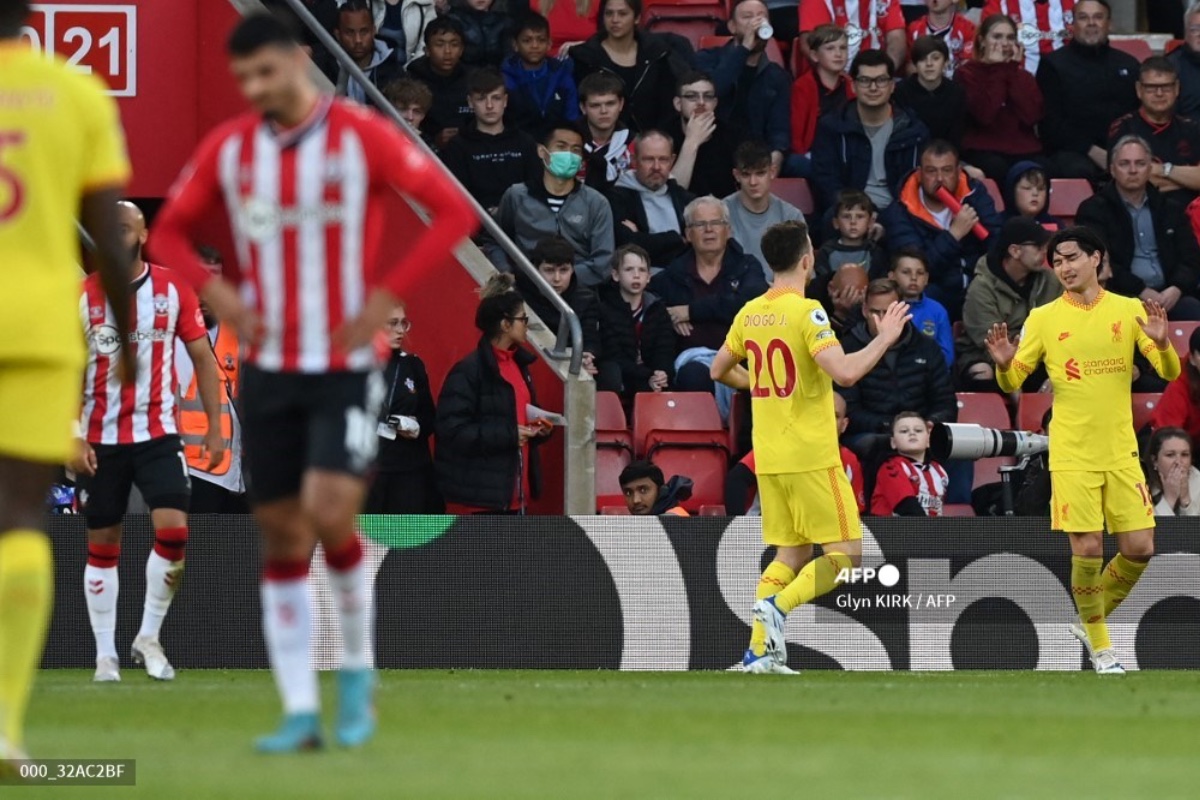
(635, 735)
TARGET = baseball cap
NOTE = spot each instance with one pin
(1022, 230)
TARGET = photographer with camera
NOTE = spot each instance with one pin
(405, 483)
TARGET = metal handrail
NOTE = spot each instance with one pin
(569, 327)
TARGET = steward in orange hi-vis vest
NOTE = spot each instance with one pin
(192, 421)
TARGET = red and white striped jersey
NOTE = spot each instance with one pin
(1042, 27)
(959, 37)
(307, 208)
(900, 477)
(163, 307)
(867, 22)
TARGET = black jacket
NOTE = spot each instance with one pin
(944, 110)
(408, 395)
(627, 204)
(450, 107)
(1188, 65)
(676, 491)
(1084, 88)
(713, 173)
(740, 280)
(768, 99)
(478, 454)
(488, 164)
(649, 101)
(489, 35)
(638, 357)
(1105, 213)
(582, 301)
(841, 152)
(912, 376)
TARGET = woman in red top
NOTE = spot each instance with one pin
(571, 21)
(1180, 403)
(1004, 103)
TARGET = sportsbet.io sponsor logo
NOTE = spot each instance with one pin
(887, 576)
(106, 340)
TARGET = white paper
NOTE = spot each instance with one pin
(533, 414)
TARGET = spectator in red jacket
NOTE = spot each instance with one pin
(908, 485)
(816, 92)
(1180, 403)
(1004, 103)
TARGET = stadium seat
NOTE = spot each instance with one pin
(692, 22)
(1143, 408)
(1172, 46)
(958, 510)
(1181, 332)
(614, 511)
(609, 463)
(988, 410)
(712, 511)
(612, 429)
(1138, 48)
(994, 190)
(795, 191)
(1065, 196)
(681, 417)
(706, 466)
(1031, 408)
(773, 51)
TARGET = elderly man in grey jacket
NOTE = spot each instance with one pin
(561, 205)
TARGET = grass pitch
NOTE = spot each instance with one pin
(637, 735)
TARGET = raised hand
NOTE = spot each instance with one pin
(1000, 347)
(891, 325)
(1155, 323)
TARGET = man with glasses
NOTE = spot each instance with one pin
(1186, 60)
(1087, 339)
(1154, 253)
(704, 144)
(869, 145)
(704, 288)
(1086, 85)
(648, 204)
(1174, 140)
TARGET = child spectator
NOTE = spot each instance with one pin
(1027, 194)
(930, 96)
(942, 21)
(412, 99)
(752, 208)
(853, 217)
(607, 143)
(541, 89)
(375, 56)
(816, 92)
(487, 156)
(647, 494)
(404, 483)
(487, 35)
(911, 274)
(637, 338)
(907, 484)
(1180, 403)
(554, 258)
(441, 69)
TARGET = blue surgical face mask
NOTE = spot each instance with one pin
(564, 164)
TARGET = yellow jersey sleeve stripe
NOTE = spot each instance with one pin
(729, 349)
(823, 345)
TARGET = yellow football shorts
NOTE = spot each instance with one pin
(801, 508)
(1083, 501)
(38, 403)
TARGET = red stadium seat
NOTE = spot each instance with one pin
(1065, 196)
(1172, 46)
(1143, 408)
(958, 510)
(795, 191)
(1138, 48)
(994, 190)
(773, 51)
(609, 463)
(1031, 408)
(706, 466)
(1181, 332)
(683, 417)
(692, 22)
(712, 511)
(988, 410)
(614, 511)
(611, 427)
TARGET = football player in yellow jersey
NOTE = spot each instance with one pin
(793, 357)
(1087, 338)
(62, 156)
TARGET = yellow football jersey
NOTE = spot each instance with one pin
(795, 429)
(1088, 351)
(60, 137)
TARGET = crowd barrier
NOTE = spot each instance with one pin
(645, 593)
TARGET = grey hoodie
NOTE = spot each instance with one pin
(660, 209)
(385, 57)
(585, 221)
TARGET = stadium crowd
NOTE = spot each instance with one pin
(638, 164)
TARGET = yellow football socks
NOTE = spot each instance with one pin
(26, 597)
(775, 579)
(818, 577)
(1088, 591)
(1119, 577)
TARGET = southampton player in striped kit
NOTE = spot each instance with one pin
(1086, 338)
(128, 437)
(793, 358)
(305, 182)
